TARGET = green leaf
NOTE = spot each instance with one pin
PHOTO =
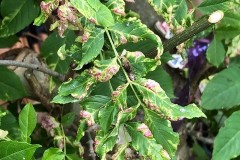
(181, 10)
(216, 52)
(27, 121)
(164, 79)
(139, 65)
(162, 131)
(226, 143)
(17, 15)
(147, 147)
(209, 6)
(107, 115)
(64, 99)
(156, 99)
(10, 124)
(105, 142)
(78, 88)
(17, 150)
(227, 32)
(104, 70)
(95, 11)
(82, 127)
(118, 5)
(8, 41)
(68, 119)
(223, 90)
(94, 103)
(230, 19)
(89, 52)
(53, 154)
(11, 87)
(133, 30)
(161, 6)
(50, 48)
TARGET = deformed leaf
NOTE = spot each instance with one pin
(117, 6)
(162, 131)
(104, 70)
(27, 121)
(226, 143)
(139, 65)
(223, 90)
(92, 47)
(17, 150)
(11, 87)
(133, 30)
(147, 147)
(13, 12)
(78, 88)
(107, 115)
(156, 99)
(164, 79)
(95, 11)
(216, 52)
(105, 142)
(53, 154)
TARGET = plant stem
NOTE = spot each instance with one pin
(120, 63)
(32, 66)
(193, 30)
(64, 140)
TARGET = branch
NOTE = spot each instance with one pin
(32, 66)
(193, 30)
